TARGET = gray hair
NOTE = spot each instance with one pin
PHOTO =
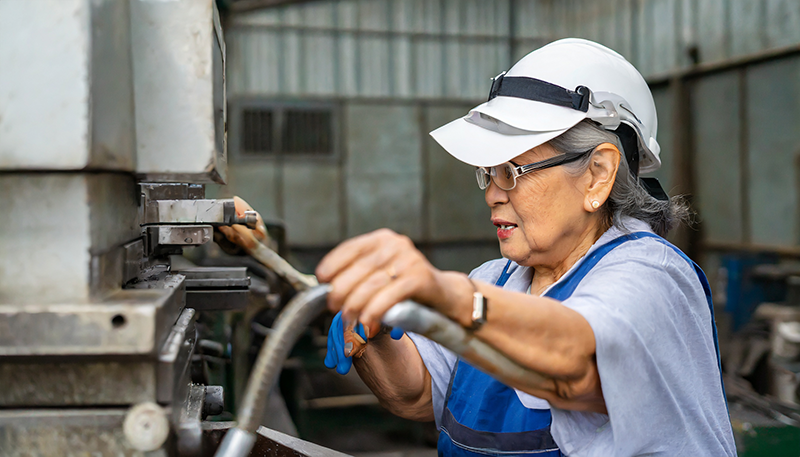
(628, 197)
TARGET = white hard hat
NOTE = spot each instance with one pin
(548, 92)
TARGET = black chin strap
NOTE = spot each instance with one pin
(630, 148)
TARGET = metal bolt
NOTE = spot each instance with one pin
(188, 239)
(146, 427)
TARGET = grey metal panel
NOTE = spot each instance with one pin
(374, 68)
(373, 15)
(383, 171)
(30, 229)
(663, 99)
(255, 62)
(402, 67)
(748, 34)
(30, 90)
(382, 139)
(65, 383)
(56, 224)
(426, 16)
(715, 113)
(456, 208)
(347, 14)
(453, 17)
(348, 72)
(455, 58)
(293, 16)
(257, 182)
(113, 143)
(783, 22)
(640, 55)
(529, 19)
(318, 65)
(653, 34)
(263, 16)
(712, 30)
(312, 202)
(483, 17)
(66, 432)
(269, 63)
(428, 57)
(384, 200)
(179, 91)
(318, 14)
(664, 44)
(291, 63)
(773, 116)
(65, 86)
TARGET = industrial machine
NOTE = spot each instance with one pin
(112, 120)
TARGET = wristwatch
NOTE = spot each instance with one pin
(479, 306)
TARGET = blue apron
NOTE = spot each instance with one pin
(483, 417)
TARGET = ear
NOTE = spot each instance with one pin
(602, 173)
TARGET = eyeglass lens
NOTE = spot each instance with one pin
(503, 176)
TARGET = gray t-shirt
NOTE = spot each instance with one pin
(655, 356)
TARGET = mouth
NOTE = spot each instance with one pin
(504, 228)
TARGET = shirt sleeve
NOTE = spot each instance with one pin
(440, 364)
(655, 356)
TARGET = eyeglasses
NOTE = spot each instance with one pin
(505, 175)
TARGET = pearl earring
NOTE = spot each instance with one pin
(595, 204)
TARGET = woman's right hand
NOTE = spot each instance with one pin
(371, 273)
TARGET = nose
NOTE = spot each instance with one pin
(495, 195)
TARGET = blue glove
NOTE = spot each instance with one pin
(336, 357)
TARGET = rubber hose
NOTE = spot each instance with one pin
(288, 328)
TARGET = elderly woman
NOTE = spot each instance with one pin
(616, 320)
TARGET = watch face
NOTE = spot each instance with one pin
(478, 308)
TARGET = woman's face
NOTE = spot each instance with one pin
(537, 219)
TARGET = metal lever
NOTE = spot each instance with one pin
(419, 319)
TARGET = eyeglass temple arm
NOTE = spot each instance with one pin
(551, 162)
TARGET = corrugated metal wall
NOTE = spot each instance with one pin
(450, 48)
(375, 48)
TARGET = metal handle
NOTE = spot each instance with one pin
(419, 319)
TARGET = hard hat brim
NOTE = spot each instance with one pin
(484, 147)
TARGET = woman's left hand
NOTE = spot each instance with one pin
(373, 272)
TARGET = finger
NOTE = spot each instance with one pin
(396, 333)
(367, 270)
(362, 292)
(395, 292)
(348, 252)
(361, 331)
(241, 206)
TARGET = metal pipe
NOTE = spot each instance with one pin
(284, 269)
(419, 319)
